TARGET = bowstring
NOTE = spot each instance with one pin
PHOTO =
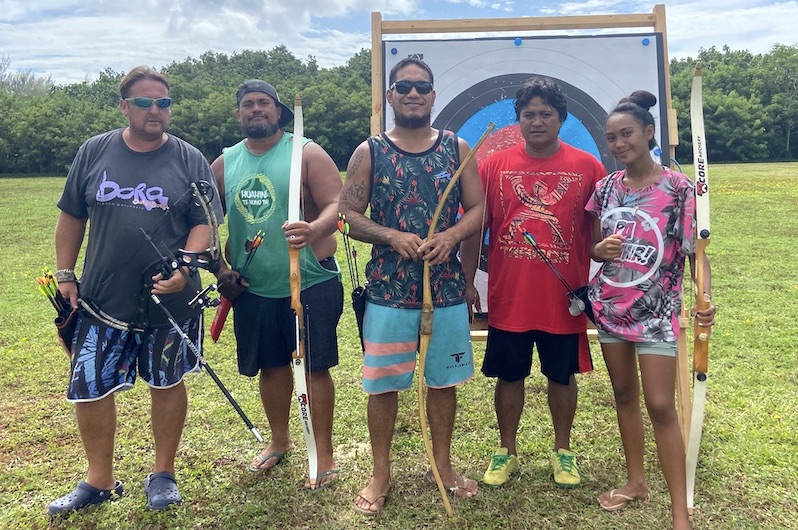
(205, 194)
(159, 225)
(303, 259)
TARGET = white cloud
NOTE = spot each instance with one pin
(739, 24)
(72, 40)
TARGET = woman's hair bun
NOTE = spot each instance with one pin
(641, 98)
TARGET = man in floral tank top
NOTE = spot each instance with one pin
(400, 175)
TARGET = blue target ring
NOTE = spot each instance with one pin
(469, 113)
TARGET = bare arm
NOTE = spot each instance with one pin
(469, 256)
(230, 284)
(218, 172)
(355, 200)
(470, 250)
(69, 233)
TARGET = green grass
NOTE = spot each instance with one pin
(749, 456)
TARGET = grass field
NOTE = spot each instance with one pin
(749, 456)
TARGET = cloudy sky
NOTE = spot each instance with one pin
(73, 40)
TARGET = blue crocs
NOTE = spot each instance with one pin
(84, 495)
(161, 490)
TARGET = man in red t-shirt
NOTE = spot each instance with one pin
(539, 186)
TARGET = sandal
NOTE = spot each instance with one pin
(459, 490)
(84, 495)
(624, 500)
(323, 481)
(257, 464)
(372, 513)
(161, 490)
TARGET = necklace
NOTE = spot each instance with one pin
(636, 194)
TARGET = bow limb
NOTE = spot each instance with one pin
(295, 284)
(426, 321)
(701, 334)
(202, 193)
(424, 340)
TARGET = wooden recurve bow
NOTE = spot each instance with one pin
(701, 335)
(295, 283)
(426, 322)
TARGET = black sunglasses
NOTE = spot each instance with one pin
(145, 103)
(404, 87)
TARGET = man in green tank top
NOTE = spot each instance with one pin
(253, 180)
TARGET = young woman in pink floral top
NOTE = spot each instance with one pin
(644, 229)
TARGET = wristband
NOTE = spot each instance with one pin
(65, 275)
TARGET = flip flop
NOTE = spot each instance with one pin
(262, 459)
(370, 513)
(84, 495)
(625, 499)
(328, 477)
(457, 491)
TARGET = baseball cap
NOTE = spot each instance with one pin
(256, 85)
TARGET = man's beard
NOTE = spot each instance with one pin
(261, 130)
(409, 122)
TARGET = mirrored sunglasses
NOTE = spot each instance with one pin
(404, 87)
(145, 103)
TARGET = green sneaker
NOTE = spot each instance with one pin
(565, 471)
(502, 465)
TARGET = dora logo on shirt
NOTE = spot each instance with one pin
(254, 198)
(149, 197)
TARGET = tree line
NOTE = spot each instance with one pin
(750, 105)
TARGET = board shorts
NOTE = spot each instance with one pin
(265, 328)
(508, 355)
(666, 349)
(391, 338)
(106, 359)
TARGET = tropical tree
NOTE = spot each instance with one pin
(776, 82)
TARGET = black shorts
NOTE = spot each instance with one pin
(508, 355)
(265, 328)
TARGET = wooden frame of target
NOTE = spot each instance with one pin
(479, 64)
(476, 78)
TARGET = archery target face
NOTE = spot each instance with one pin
(476, 80)
(470, 113)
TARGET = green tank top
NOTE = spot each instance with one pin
(256, 193)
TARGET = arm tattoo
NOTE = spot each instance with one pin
(354, 163)
(353, 197)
